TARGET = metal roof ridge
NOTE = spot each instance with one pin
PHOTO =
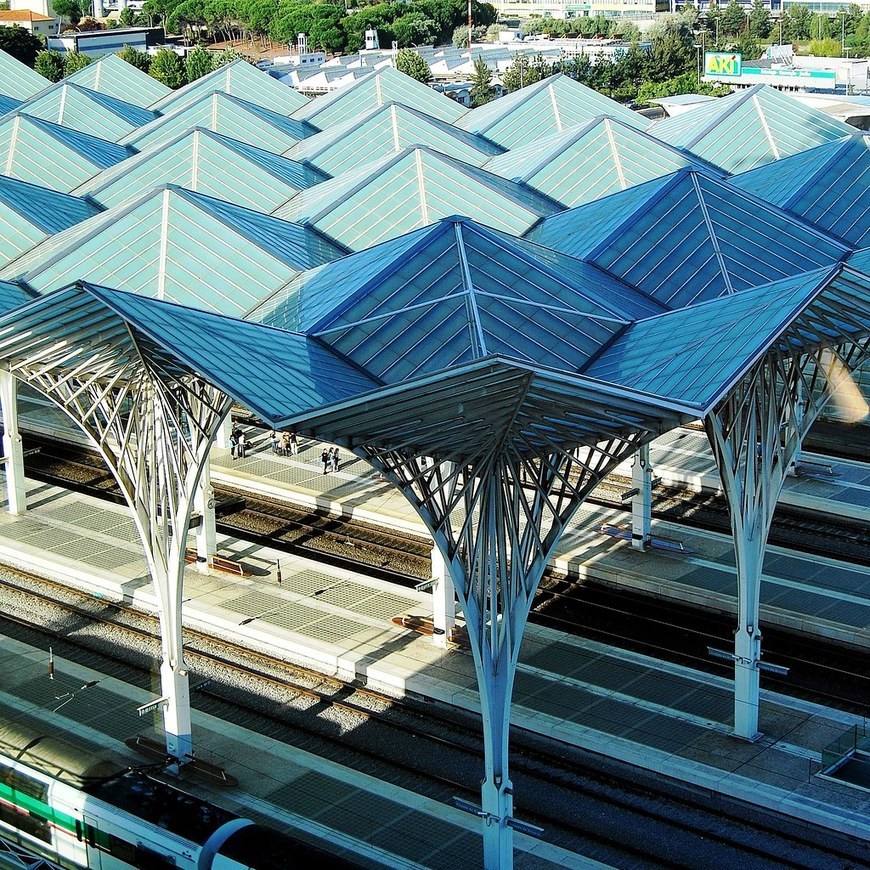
(719, 117)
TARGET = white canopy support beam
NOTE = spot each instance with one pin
(206, 531)
(443, 600)
(13, 452)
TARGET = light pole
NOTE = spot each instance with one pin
(844, 13)
(698, 55)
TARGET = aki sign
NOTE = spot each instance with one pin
(723, 63)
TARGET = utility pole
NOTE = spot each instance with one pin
(469, 29)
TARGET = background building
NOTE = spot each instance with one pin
(35, 22)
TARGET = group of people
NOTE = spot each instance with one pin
(281, 444)
(329, 459)
(284, 443)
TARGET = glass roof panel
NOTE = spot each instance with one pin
(207, 163)
(749, 129)
(52, 156)
(87, 111)
(176, 244)
(8, 104)
(239, 79)
(552, 105)
(692, 354)
(386, 130)
(19, 81)
(381, 86)
(115, 77)
(801, 184)
(46, 209)
(227, 115)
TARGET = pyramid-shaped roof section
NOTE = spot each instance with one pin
(552, 105)
(114, 77)
(452, 293)
(385, 130)
(174, 244)
(828, 186)
(409, 190)
(590, 161)
(750, 128)
(385, 85)
(87, 111)
(687, 238)
(19, 81)
(53, 156)
(208, 163)
(228, 115)
(29, 214)
(238, 79)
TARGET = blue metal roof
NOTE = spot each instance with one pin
(12, 296)
(46, 209)
(452, 293)
(828, 186)
(8, 104)
(696, 354)
(688, 237)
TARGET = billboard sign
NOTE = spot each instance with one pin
(723, 64)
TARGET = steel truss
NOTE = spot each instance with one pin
(153, 422)
(496, 518)
(756, 434)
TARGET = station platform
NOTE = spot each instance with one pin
(656, 716)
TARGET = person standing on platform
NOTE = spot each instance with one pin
(234, 442)
(273, 440)
(243, 444)
(294, 444)
(325, 458)
(285, 444)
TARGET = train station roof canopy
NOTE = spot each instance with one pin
(593, 160)
(424, 186)
(87, 111)
(385, 85)
(175, 244)
(750, 128)
(238, 79)
(829, 186)
(687, 238)
(385, 130)
(53, 156)
(114, 77)
(29, 214)
(19, 81)
(552, 105)
(207, 163)
(228, 115)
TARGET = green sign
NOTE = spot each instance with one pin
(791, 73)
(723, 64)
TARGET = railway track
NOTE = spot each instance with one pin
(819, 671)
(435, 751)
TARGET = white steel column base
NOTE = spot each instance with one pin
(641, 502)
(498, 837)
(206, 533)
(16, 490)
(443, 600)
(747, 689)
(176, 711)
(222, 439)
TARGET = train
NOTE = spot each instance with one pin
(80, 805)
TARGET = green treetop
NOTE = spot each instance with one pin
(409, 62)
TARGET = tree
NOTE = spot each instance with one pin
(198, 63)
(50, 65)
(229, 55)
(521, 74)
(126, 17)
(482, 90)
(21, 44)
(759, 20)
(69, 9)
(166, 67)
(673, 49)
(74, 61)
(409, 62)
(136, 58)
(732, 17)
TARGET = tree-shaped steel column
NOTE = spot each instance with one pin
(153, 422)
(496, 519)
(756, 432)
